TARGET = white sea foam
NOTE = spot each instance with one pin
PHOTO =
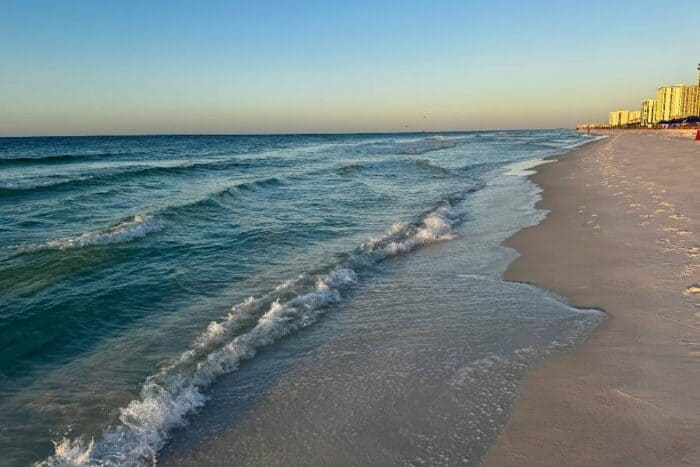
(288, 284)
(135, 227)
(437, 226)
(177, 389)
(33, 184)
(401, 237)
(588, 139)
(524, 168)
(168, 396)
(396, 230)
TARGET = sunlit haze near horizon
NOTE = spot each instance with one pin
(128, 67)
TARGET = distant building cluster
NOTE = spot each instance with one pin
(673, 106)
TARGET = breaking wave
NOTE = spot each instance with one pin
(217, 198)
(135, 227)
(178, 388)
(48, 184)
(141, 225)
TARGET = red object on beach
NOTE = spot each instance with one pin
(697, 136)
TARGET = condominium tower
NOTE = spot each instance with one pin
(619, 118)
(677, 102)
(648, 113)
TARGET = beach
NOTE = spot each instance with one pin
(622, 235)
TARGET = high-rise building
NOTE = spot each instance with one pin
(677, 102)
(635, 117)
(648, 115)
(619, 118)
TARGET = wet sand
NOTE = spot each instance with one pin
(623, 235)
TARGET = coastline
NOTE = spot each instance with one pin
(390, 415)
(383, 367)
(621, 235)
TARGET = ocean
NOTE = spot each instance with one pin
(268, 300)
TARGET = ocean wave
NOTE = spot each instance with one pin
(141, 225)
(184, 168)
(349, 169)
(428, 165)
(112, 176)
(178, 388)
(48, 184)
(265, 182)
(403, 146)
(422, 164)
(135, 227)
(219, 198)
(433, 143)
(402, 238)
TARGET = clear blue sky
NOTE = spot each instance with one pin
(113, 67)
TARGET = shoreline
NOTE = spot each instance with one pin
(620, 235)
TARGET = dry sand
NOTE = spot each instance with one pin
(623, 235)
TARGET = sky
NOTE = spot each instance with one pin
(161, 67)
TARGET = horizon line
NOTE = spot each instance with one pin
(329, 133)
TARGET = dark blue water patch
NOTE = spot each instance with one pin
(84, 301)
(155, 147)
(64, 158)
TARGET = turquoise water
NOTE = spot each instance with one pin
(156, 291)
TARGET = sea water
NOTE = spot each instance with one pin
(257, 300)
